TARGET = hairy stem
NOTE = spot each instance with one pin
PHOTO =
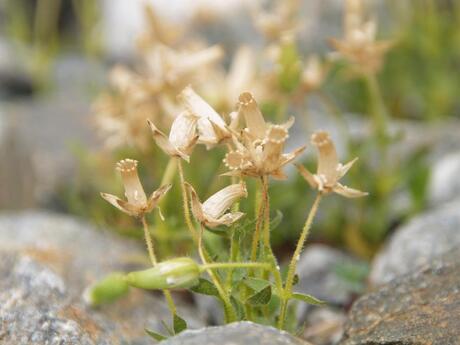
(295, 258)
(230, 314)
(187, 217)
(153, 260)
(218, 265)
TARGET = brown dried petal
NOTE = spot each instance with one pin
(307, 175)
(163, 142)
(157, 195)
(348, 192)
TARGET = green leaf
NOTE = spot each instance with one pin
(179, 324)
(205, 287)
(238, 307)
(260, 298)
(307, 298)
(155, 335)
(167, 328)
(256, 284)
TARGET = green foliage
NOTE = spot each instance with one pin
(309, 299)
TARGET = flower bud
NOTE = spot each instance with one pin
(106, 290)
(175, 273)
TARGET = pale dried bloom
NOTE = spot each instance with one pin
(313, 74)
(260, 150)
(157, 31)
(281, 19)
(182, 136)
(359, 45)
(174, 68)
(137, 203)
(120, 120)
(211, 127)
(211, 213)
(329, 171)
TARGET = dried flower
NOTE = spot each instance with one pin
(182, 136)
(330, 171)
(279, 20)
(137, 204)
(261, 151)
(211, 212)
(359, 45)
(157, 31)
(171, 274)
(212, 128)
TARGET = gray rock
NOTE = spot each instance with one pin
(324, 326)
(445, 184)
(46, 261)
(417, 243)
(319, 271)
(419, 309)
(239, 333)
(45, 130)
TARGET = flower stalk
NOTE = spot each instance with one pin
(286, 294)
(153, 260)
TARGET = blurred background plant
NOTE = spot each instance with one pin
(269, 51)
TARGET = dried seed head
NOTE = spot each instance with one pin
(133, 187)
(235, 160)
(277, 134)
(255, 121)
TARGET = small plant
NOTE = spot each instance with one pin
(246, 279)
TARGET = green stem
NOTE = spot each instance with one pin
(153, 260)
(187, 217)
(256, 235)
(266, 201)
(379, 112)
(218, 265)
(168, 176)
(286, 295)
(230, 314)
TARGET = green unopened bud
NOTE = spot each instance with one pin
(175, 273)
(107, 290)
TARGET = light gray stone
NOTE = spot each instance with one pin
(46, 262)
(417, 243)
(318, 271)
(444, 183)
(239, 333)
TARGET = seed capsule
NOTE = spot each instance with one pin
(171, 274)
(110, 288)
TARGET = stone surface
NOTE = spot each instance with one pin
(417, 243)
(319, 273)
(46, 261)
(418, 309)
(240, 333)
(444, 183)
(324, 326)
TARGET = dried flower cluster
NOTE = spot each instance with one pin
(359, 45)
(160, 96)
(255, 150)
